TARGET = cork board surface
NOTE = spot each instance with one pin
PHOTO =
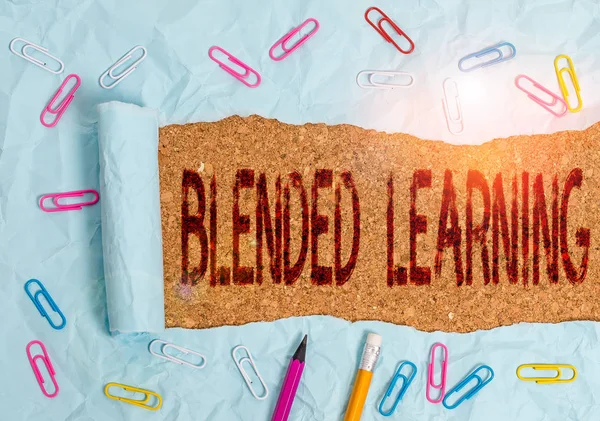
(366, 225)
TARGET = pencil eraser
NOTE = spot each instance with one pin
(374, 339)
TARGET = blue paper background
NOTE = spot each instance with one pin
(131, 225)
(315, 84)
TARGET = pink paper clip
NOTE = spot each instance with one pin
(242, 77)
(38, 375)
(544, 104)
(430, 374)
(283, 40)
(62, 107)
(59, 207)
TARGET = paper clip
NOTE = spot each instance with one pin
(494, 49)
(547, 367)
(449, 119)
(126, 72)
(142, 403)
(44, 293)
(163, 354)
(430, 374)
(242, 77)
(38, 375)
(239, 363)
(384, 34)
(547, 105)
(59, 207)
(31, 59)
(406, 381)
(62, 107)
(561, 81)
(373, 84)
(282, 41)
(480, 384)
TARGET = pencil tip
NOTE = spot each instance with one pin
(300, 353)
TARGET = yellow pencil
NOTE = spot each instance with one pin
(363, 378)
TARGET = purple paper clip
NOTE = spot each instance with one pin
(38, 375)
(62, 107)
(59, 207)
(242, 77)
(547, 105)
(283, 40)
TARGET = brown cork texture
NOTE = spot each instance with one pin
(435, 236)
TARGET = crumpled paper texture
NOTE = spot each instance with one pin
(315, 84)
(131, 235)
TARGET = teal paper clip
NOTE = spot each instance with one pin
(44, 293)
(495, 50)
(406, 381)
(480, 384)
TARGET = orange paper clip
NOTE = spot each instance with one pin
(384, 34)
(242, 77)
(60, 109)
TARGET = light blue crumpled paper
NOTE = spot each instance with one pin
(85, 363)
(315, 84)
(131, 225)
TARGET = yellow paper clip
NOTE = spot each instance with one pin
(561, 81)
(547, 367)
(142, 403)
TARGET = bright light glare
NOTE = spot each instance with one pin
(473, 91)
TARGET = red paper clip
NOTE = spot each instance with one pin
(283, 40)
(385, 35)
(62, 107)
(59, 207)
(38, 375)
(242, 77)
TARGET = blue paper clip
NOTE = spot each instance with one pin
(43, 292)
(406, 381)
(473, 391)
(490, 50)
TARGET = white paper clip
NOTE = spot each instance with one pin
(449, 119)
(373, 84)
(126, 72)
(31, 59)
(164, 355)
(250, 361)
